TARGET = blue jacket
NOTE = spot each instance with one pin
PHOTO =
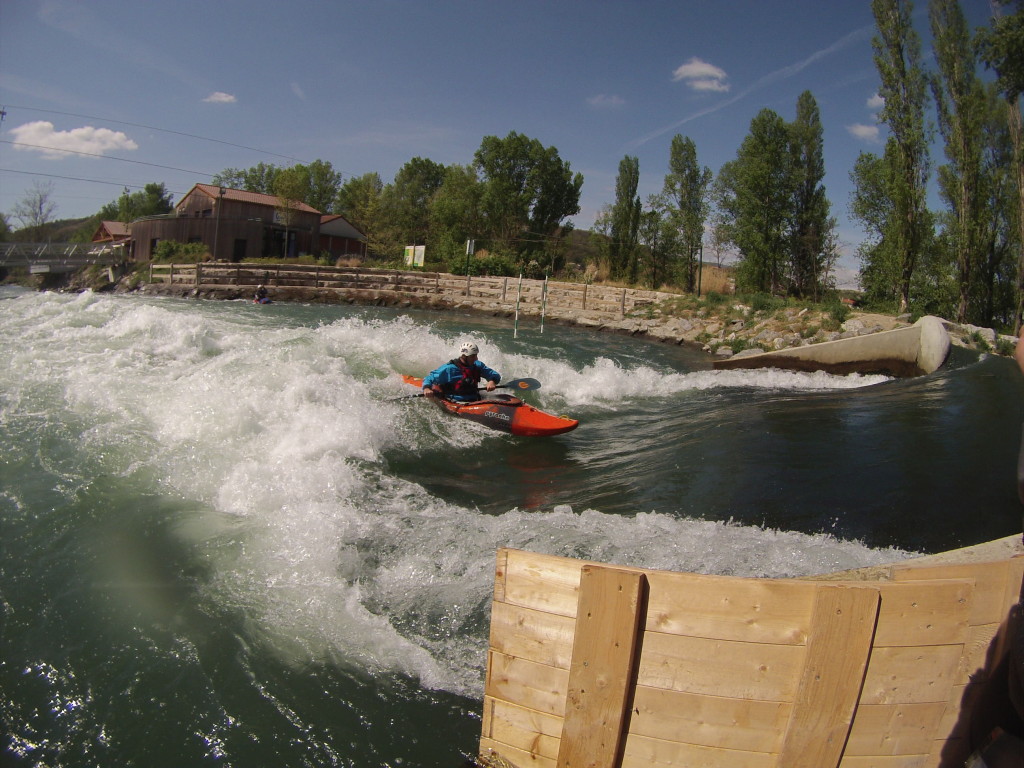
(460, 383)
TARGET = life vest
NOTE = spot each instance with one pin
(468, 381)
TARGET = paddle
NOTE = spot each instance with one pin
(522, 384)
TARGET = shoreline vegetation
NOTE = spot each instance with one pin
(720, 323)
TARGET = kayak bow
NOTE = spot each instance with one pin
(504, 413)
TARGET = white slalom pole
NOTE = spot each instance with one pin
(543, 303)
(515, 327)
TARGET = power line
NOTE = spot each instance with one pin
(75, 178)
(154, 128)
(105, 157)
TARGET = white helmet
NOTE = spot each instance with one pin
(469, 348)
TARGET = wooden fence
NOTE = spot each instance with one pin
(593, 665)
(503, 291)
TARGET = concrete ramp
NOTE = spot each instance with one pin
(922, 348)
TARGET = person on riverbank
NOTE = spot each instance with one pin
(459, 379)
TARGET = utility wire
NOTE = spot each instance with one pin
(75, 178)
(154, 128)
(105, 157)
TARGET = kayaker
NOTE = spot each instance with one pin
(260, 296)
(460, 378)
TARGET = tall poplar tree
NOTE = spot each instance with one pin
(686, 195)
(961, 106)
(754, 193)
(810, 240)
(625, 222)
(1002, 49)
(903, 86)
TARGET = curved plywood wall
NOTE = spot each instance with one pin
(594, 665)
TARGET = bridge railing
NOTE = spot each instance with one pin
(59, 254)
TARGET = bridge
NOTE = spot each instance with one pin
(41, 258)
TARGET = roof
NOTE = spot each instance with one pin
(111, 230)
(242, 196)
(339, 226)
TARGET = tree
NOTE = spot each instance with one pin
(961, 105)
(322, 184)
(408, 199)
(455, 212)
(625, 222)
(812, 249)
(527, 191)
(359, 201)
(897, 55)
(1002, 49)
(259, 178)
(754, 194)
(35, 211)
(289, 186)
(151, 200)
(685, 193)
(872, 205)
(661, 233)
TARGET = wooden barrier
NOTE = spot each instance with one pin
(604, 666)
(497, 290)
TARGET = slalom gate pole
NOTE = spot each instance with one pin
(543, 303)
(519, 294)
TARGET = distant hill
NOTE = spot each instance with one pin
(60, 231)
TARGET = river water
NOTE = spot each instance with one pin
(227, 538)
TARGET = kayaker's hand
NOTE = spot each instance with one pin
(490, 386)
(428, 392)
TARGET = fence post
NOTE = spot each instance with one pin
(198, 274)
(622, 309)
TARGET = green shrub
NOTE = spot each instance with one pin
(173, 252)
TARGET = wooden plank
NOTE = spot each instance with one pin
(545, 638)
(602, 669)
(511, 756)
(892, 761)
(776, 611)
(755, 671)
(708, 721)
(897, 729)
(837, 657)
(521, 729)
(924, 613)
(643, 752)
(526, 683)
(908, 675)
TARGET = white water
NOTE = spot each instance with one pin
(273, 436)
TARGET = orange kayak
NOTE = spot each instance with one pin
(504, 413)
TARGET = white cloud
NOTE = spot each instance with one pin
(702, 76)
(864, 132)
(219, 97)
(876, 102)
(606, 101)
(297, 90)
(41, 137)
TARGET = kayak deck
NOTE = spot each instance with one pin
(505, 413)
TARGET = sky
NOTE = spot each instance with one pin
(108, 94)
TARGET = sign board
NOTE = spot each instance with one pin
(414, 255)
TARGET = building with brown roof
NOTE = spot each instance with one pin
(233, 224)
